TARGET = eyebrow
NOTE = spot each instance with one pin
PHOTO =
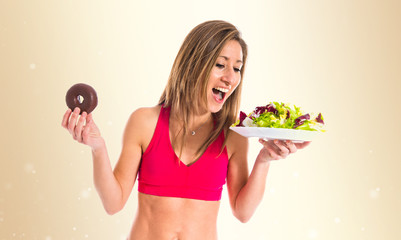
(226, 58)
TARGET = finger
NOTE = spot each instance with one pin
(85, 133)
(271, 148)
(283, 150)
(291, 146)
(274, 155)
(302, 145)
(79, 127)
(66, 116)
(269, 144)
(73, 121)
(89, 118)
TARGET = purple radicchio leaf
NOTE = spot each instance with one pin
(288, 114)
(259, 110)
(300, 120)
(242, 117)
(269, 108)
(319, 118)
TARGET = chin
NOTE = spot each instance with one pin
(215, 108)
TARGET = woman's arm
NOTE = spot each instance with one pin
(113, 187)
(246, 191)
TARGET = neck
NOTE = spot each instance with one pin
(195, 121)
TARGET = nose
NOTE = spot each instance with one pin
(229, 76)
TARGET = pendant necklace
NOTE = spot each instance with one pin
(193, 132)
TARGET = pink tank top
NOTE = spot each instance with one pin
(161, 173)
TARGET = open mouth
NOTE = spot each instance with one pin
(219, 93)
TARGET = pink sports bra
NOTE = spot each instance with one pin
(161, 173)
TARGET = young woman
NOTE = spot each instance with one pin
(182, 149)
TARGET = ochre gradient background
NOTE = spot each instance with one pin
(342, 58)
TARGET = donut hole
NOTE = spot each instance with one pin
(80, 99)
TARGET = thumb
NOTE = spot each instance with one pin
(89, 118)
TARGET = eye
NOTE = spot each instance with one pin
(237, 70)
(219, 65)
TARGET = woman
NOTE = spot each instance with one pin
(182, 149)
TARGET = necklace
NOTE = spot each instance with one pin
(193, 132)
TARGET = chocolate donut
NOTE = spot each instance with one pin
(74, 96)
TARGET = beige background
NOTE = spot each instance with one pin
(342, 58)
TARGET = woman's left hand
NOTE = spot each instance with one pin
(278, 149)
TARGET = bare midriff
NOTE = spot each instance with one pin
(167, 218)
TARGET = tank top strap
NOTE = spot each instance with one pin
(161, 131)
(164, 112)
(163, 124)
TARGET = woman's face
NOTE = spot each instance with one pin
(225, 76)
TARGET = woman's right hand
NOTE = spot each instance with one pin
(82, 128)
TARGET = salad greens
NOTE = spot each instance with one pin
(280, 115)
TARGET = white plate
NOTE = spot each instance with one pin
(276, 133)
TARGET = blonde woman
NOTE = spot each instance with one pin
(182, 150)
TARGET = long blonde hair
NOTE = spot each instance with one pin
(187, 84)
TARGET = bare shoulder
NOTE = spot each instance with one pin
(236, 143)
(145, 116)
(142, 123)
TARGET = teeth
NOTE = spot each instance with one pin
(222, 89)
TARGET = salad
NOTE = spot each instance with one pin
(280, 115)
